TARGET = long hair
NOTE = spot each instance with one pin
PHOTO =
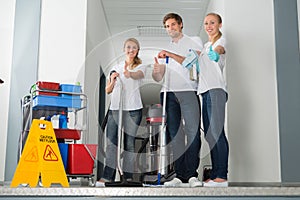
(220, 22)
(136, 60)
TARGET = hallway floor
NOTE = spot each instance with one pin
(76, 190)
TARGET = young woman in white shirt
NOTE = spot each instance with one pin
(126, 77)
(212, 89)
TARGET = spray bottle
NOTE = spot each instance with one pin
(63, 120)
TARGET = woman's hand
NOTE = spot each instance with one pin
(127, 73)
(113, 77)
(111, 83)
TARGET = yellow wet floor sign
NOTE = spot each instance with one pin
(40, 158)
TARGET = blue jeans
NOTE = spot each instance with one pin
(131, 121)
(185, 139)
(213, 111)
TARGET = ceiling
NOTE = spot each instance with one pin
(147, 15)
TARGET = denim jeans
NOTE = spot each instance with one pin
(185, 137)
(213, 111)
(130, 121)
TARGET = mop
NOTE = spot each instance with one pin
(123, 182)
(163, 124)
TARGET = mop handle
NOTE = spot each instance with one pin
(165, 92)
(120, 128)
(163, 123)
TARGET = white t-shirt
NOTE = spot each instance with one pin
(211, 72)
(179, 77)
(131, 90)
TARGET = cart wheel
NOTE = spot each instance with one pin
(92, 182)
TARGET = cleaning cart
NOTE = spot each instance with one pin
(66, 107)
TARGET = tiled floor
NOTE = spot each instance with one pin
(77, 190)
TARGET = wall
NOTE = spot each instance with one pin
(253, 128)
(7, 11)
(57, 47)
(288, 83)
(298, 9)
(98, 53)
(62, 42)
(23, 72)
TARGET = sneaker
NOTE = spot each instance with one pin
(100, 184)
(212, 183)
(194, 182)
(173, 183)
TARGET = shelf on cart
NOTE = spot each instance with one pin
(56, 101)
(80, 175)
(67, 134)
(50, 87)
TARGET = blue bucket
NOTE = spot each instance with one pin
(63, 148)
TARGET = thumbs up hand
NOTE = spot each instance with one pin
(214, 56)
(126, 72)
(158, 70)
(156, 66)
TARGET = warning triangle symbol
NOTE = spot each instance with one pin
(32, 156)
(49, 154)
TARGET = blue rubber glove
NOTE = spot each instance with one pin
(190, 59)
(214, 56)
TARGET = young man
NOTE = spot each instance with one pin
(182, 103)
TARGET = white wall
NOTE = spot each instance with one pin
(62, 41)
(253, 128)
(62, 44)
(7, 13)
(99, 50)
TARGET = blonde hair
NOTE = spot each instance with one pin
(220, 22)
(136, 60)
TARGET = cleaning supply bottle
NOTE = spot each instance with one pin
(63, 120)
(55, 121)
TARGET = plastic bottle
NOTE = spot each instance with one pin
(55, 121)
(63, 120)
(48, 118)
(78, 85)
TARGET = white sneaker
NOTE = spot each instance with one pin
(99, 184)
(194, 182)
(173, 183)
(212, 183)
